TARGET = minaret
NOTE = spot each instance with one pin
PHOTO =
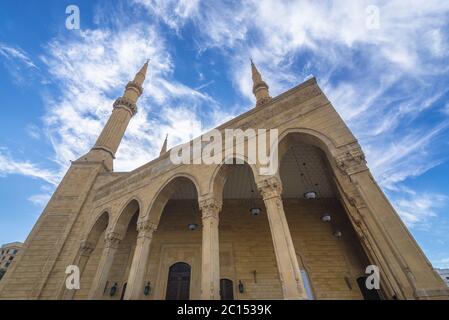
(124, 109)
(164, 146)
(260, 87)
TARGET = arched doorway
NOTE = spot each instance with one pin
(226, 289)
(178, 283)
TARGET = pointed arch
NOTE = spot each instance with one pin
(307, 136)
(99, 225)
(126, 213)
(165, 192)
(221, 173)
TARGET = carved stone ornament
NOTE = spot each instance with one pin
(355, 199)
(263, 101)
(86, 248)
(126, 103)
(135, 86)
(112, 239)
(146, 228)
(210, 208)
(270, 188)
(351, 162)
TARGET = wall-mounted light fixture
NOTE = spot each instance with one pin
(337, 234)
(326, 217)
(147, 289)
(193, 226)
(113, 290)
(310, 195)
(255, 211)
(241, 287)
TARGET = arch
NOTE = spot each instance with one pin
(308, 136)
(178, 282)
(100, 224)
(220, 174)
(165, 192)
(127, 212)
(226, 289)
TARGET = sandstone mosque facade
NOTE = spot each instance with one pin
(224, 231)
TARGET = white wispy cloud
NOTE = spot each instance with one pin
(418, 209)
(16, 54)
(9, 166)
(93, 69)
(380, 80)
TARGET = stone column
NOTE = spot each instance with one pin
(210, 263)
(112, 241)
(136, 279)
(84, 252)
(287, 263)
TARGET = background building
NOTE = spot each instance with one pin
(444, 273)
(7, 254)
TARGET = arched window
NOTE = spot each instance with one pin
(368, 294)
(178, 285)
(226, 289)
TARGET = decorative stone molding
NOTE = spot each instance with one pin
(112, 240)
(263, 101)
(86, 248)
(146, 228)
(351, 162)
(210, 208)
(132, 85)
(126, 103)
(270, 188)
(356, 201)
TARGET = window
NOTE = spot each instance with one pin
(178, 284)
(368, 294)
(14, 251)
(226, 289)
(7, 264)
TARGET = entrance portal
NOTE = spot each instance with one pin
(178, 285)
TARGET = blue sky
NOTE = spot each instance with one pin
(389, 83)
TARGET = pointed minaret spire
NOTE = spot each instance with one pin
(124, 109)
(134, 88)
(164, 146)
(260, 87)
(140, 76)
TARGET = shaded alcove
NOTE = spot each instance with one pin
(330, 264)
(94, 241)
(177, 239)
(246, 246)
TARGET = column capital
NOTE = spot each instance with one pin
(112, 240)
(86, 248)
(210, 207)
(270, 187)
(127, 104)
(146, 228)
(351, 162)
